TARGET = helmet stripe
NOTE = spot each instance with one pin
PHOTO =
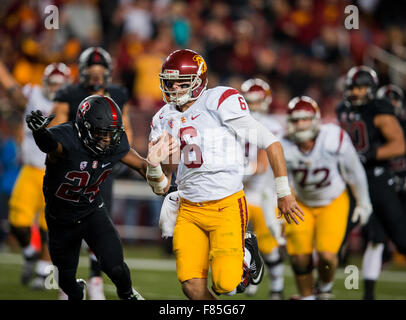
(113, 111)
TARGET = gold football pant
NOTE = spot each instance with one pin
(27, 200)
(266, 241)
(211, 234)
(323, 228)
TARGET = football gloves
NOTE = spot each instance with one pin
(361, 213)
(36, 121)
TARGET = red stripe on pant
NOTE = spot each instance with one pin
(242, 222)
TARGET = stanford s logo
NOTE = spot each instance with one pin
(83, 109)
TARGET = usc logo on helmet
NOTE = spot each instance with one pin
(200, 61)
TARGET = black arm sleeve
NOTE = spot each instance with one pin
(45, 141)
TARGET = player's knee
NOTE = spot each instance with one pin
(327, 258)
(302, 264)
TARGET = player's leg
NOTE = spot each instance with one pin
(270, 252)
(331, 224)
(191, 247)
(95, 281)
(42, 269)
(231, 247)
(299, 246)
(22, 215)
(103, 239)
(64, 247)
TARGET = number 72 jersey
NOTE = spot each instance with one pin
(318, 176)
(211, 164)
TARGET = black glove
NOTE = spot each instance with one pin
(369, 155)
(36, 121)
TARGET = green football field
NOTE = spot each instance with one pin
(154, 276)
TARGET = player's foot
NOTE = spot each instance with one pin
(28, 268)
(251, 290)
(38, 283)
(322, 295)
(62, 295)
(136, 295)
(276, 295)
(95, 288)
(83, 285)
(257, 265)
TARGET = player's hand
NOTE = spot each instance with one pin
(361, 213)
(290, 209)
(37, 121)
(161, 149)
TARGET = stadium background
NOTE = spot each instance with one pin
(299, 46)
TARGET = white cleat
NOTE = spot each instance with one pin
(251, 290)
(62, 295)
(95, 289)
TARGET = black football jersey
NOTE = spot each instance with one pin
(75, 93)
(398, 164)
(359, 124)
(71, 185)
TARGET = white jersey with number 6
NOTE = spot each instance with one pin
(317, 175)
(211, 166)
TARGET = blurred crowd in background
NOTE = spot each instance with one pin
(299, 46)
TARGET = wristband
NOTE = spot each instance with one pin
(158, 187)
(154, 172)
(282, 187)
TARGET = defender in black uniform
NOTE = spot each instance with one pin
(95, 68)
(377, 137)
(80, 156)
(395, 96)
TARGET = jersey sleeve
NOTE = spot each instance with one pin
(383, 107)
(26, 90)
(228, 105)
(352, 170)
(123, 148)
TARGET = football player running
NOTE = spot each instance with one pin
(377, 137)
(95, 69)
(260, 193)
(24, 212)
(80, 156)
(212, 216)
(321, 160)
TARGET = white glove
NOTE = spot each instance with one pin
(361, 213)
(169, 213)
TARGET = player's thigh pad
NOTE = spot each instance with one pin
(27, 198)
(331, 223)
(299, 238)
(266, 241)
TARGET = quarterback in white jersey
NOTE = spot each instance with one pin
(24, 212)
(212, 216)
(260, 190)
(321, 160)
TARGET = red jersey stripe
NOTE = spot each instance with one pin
(225, 95)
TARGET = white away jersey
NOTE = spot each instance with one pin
(211, 163)
(36, 100)
(315, 175)
(258, 185)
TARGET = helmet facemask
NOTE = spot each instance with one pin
(184, 95)
(303, 133)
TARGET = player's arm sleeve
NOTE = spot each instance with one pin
(249, 129)
(156, 130)
(353, 171)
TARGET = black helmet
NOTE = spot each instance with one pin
(92, 56)
(360, 76)
(392, 93)
(99, 118)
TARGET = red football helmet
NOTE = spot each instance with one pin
(302, 108)
(54, 77)
(257, 93)
(183, 66)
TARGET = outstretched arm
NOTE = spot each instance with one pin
(266, 140)
(136, 162)
(42, 136)
(13, 89)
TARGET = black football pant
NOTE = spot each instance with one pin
(388, 217)
(98, 231)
